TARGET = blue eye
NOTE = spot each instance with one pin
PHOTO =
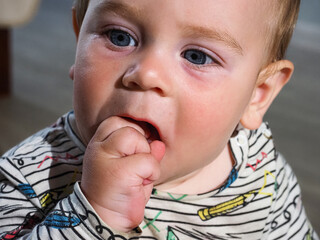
(197, 57)
(121, 38)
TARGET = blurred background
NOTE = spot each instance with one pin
(44, 49)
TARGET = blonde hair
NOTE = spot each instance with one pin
(80, 7)
(285, 15)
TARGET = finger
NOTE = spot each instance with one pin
(124, 142)
(140, 167)
(147, 192)
(158, 150)
(112, 124)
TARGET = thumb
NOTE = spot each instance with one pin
(158, 150)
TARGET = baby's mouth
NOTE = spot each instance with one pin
(151, 132)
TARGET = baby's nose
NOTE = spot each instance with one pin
(150, 72)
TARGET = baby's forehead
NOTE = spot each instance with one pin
(203, 9)
(240, 18)
(180, 5)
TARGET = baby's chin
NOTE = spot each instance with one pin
(170, 181)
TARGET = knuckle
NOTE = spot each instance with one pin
(148, 167)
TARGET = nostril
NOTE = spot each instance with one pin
(159, 91)
(133, 85)
(144, 79)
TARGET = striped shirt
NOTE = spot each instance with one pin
(40, 197)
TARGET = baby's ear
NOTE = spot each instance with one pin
(269, 83)
(75, 24)
(71, 72)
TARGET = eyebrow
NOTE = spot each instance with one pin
(192, 31)
(118, 8)
(212, 34)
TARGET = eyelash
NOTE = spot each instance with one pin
(110, 42)
(213, 60)
(196, 51)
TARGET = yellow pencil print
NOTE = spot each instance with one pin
(46, 199)
(226, 207)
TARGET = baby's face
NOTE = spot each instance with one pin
(188, 67)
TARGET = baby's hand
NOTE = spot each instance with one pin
(119, 169)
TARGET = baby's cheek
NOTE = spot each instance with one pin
(205, 128)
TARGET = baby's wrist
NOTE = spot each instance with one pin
(111, 218)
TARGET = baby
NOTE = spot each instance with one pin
(167, 139)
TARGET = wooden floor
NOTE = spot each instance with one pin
(44, 50)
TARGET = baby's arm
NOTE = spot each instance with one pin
(119, 169)
(22, 211)
(21, 217)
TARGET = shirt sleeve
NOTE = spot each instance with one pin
(287, 219)
(22, 217)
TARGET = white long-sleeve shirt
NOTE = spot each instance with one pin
(40, 197)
